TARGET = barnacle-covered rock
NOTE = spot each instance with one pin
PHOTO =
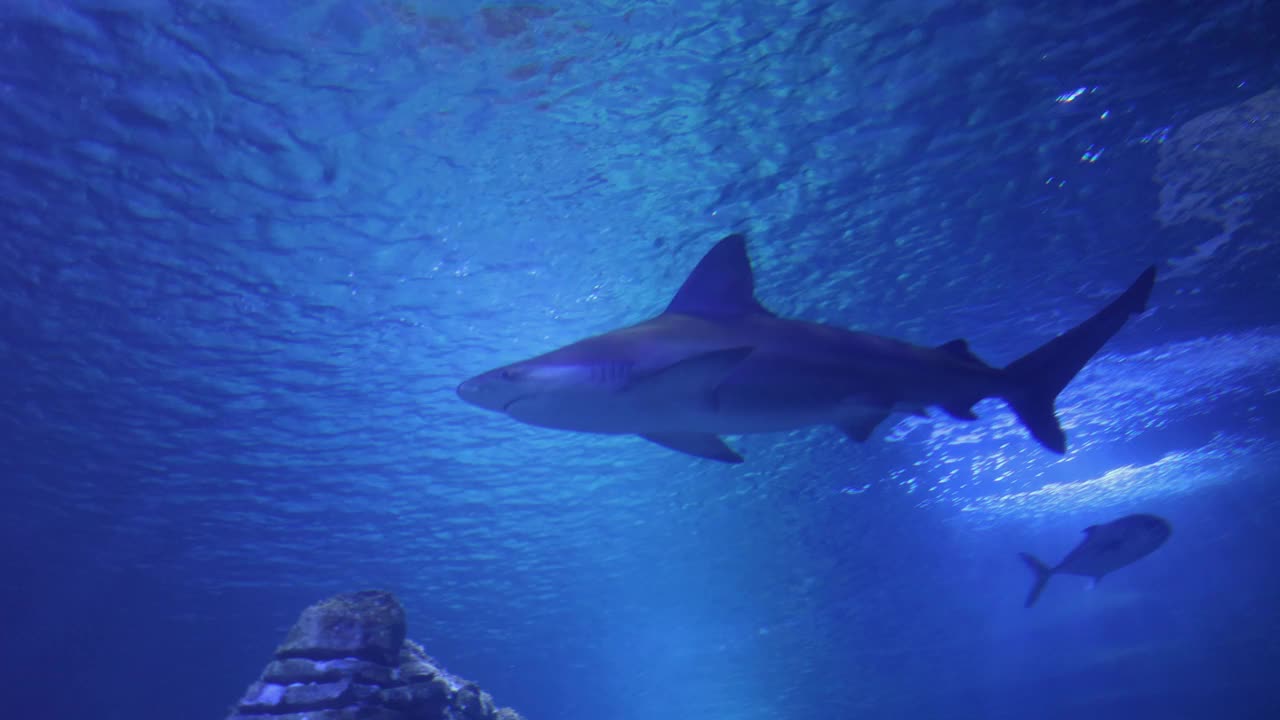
(347, 659)
(367, 625)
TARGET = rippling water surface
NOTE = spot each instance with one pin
(247, 250)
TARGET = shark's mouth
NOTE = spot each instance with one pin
(511, 403)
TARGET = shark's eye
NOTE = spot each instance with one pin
(510, 374)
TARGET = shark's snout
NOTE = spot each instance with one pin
(477, 392)
(468, 389)
(492, 391)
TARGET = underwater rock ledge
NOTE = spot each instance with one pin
(347, 658)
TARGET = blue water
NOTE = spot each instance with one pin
(247, 250)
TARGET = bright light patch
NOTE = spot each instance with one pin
(1223, 459)
(1070, 97)
(991, 467)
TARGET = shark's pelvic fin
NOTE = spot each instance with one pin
(961, 411)
(862, 416)
(721, 286)
(1041, 374)
(694, 376)
(860, 430)
(703, 445)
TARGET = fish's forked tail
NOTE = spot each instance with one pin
(1042, 571)
(1039, 376)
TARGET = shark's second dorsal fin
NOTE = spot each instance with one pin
(721, 286)
(960, 349)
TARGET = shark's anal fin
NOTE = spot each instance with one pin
(696, 376)
(703, 445)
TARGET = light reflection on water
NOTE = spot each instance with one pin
(1128, 419)
(1222, 460)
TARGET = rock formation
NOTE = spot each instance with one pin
(347, 659)
(1218, 165)
(1216, 169)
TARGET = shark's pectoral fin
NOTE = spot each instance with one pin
(695, 377)
(703, 445)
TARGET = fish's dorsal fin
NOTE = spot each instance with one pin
(721, 286)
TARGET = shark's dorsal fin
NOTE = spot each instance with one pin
(721, 286)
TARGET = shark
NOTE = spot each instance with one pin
(716, 362)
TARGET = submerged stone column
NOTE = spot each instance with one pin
(347, 659)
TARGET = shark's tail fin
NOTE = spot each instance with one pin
(1041, 374)
(1042, 571)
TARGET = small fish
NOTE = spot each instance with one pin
(1106, 548)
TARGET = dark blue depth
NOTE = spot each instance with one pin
(248, 250)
